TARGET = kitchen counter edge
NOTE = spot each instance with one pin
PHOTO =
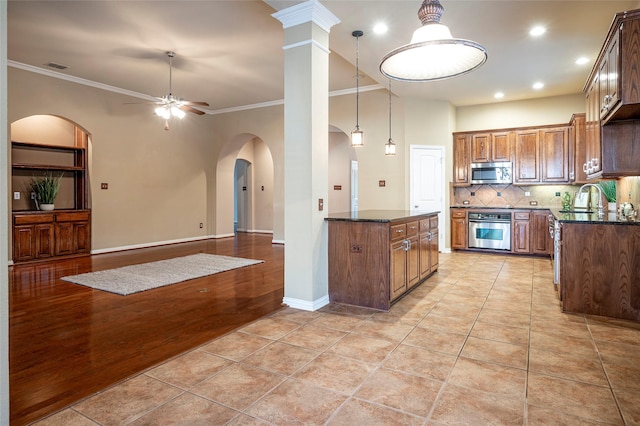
(378, 215)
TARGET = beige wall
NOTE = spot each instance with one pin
(260, 188)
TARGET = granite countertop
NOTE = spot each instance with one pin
(501, 208)
(607, 219)
(377, 215)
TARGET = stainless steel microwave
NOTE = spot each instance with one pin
(488, 173)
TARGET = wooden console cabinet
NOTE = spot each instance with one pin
(377, 256)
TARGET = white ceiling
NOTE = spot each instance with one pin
(229, 53)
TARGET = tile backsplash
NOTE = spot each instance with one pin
(549, 196)
(628, 190)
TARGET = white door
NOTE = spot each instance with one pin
(354, 186)
(427, 182)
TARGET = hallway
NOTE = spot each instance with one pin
(483, 341)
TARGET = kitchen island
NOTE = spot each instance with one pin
(377, 256)
(599, 264)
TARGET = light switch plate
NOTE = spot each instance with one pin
(16, 195)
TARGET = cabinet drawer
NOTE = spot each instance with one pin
(433, 222)
(459, 214)
(33, 218)
(424, 225)
(72, 216)
(521, 215)
(412, 228)
(398, 231)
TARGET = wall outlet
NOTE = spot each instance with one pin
(201, 225)
(33, 195)
(557, 194)
(527, 194)
(533, 203)
(16, 195)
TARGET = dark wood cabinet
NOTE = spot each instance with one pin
(527, 158)
(429, 246)
(592, 166)
(521, 233)
(461, 159)
(599, 269)
(490, 147)
(45, 235)
(373, 263)
(554, 154)
(459, 229)
(481, 148)
(541, 242)
(577, 149)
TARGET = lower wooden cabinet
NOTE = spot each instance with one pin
(521, 232)
(373, 263)
(45, 235)
(459, 229)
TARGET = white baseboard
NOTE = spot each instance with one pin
(260, 231)
(277, 241)
(158, 243)
(306, 305)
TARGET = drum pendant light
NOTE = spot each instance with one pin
(357, 135)
(433, 54)
(390, 147)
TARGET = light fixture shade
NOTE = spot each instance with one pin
(433, 53)
(177, 112)
(357, 137)
(390, 148)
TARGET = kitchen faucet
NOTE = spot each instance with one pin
(600, 209)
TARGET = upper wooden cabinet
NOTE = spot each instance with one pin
(490, 147)
(577, 148)
(527, 165)
(461, 157)
(554, 154)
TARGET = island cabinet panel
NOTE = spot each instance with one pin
(373, 263)
(600, 269)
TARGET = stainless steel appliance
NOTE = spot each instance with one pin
(487, 173)
(556, 255)
(490, 231)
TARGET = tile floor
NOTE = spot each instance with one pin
(483, 341)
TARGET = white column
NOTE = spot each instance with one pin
(306, 152)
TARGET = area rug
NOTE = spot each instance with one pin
(145, 276)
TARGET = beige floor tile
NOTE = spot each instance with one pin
(127, 401)
(296, 315)
(356, 311)
(496, 352)
(548, 417)
(402, 391)
(624, 377)
(337, 321)
(487, 377)
(563, 344)
(362, 348)
(238, 386)
(501, 333)
(189, 369)
(313, 337)
(295, 402)
(629, 406)
(568, 366)
(357, 412)
(281, 358)
(336, 373)
(448, 324)
(420, 361)
(190, 410)
(618, 353)
(510, 319)
(392, 331)
(237, 345)
(271, 328)
(615, 330)
(574, 398)
(461, 406)
(244, 420)
(68, 417)
(435, 340)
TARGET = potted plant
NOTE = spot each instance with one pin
(608, 188)
(46, 190)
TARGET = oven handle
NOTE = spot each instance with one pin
(489, 221)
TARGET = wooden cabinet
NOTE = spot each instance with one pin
(461, 159)
(520, 233)
(592, 166)
(428, 246)
(527, 158)
(490, 147)
(608, 75)
(45, 235)
(541, 241)
(599, 269)
(577, 149)
(374, 262)
(554, 154)
(459, 229)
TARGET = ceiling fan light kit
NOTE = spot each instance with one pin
(171, 106)
(433, 54)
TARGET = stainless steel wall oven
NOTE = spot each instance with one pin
(490, 231)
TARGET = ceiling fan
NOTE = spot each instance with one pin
(172, 106)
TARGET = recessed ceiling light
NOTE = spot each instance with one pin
(380, 28)
(498, 95)
(582, 60)
(538, 85)
(537, 31)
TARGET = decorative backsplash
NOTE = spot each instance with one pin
(628, 190)
(549, 196)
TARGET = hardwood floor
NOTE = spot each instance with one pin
(67, 341)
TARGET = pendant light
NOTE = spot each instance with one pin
(390, 147)
(357, 135)
(433, 54)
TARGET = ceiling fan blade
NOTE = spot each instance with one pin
(195, 103)
(190, 109)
